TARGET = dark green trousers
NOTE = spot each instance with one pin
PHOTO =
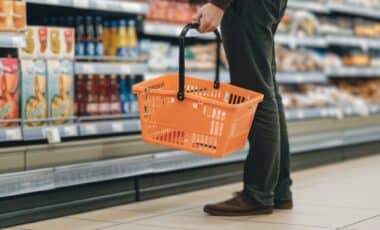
(248, 29)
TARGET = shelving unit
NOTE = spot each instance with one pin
(108, 5)
(12, 39)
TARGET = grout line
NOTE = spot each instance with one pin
(166, 227)
(111, 226)
(302, 225)
(94, 220)
(360, 221)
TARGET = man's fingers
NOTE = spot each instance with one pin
(204, 25)
(197, 17)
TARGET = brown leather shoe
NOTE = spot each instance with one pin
(278, 204)
(239, 205)
(283, 204)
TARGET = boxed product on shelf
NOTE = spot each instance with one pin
(12, 15)
(9, 93)
(33, 94)
(355, 57)
(60, 90)
(60, 43)
(335, 26)
(48, 42)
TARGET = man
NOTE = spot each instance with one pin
(248, 28)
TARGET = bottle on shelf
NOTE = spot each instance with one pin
(90, 37)
(106, 37)
(99, 50)
(132, 96)
(124, 94)
(132, 39)
(113, 39)
(104, 95)
(114, 95)
(80, 93)
(92, 96)
(122, 39)
(80, 36)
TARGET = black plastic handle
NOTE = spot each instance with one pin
(182, 38)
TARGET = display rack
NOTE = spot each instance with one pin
(103, 5)
(12, 39)
(355, 72)
(171, 30)
(354, 10)
(109, 68)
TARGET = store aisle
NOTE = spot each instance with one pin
(339, 196)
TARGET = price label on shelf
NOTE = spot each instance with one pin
(324, 112)
(12, 134)
(300, 114)
(81, 3)
(88, 68)
(117, 127)
(52, 135)
(52, 2)
(125, 69)
(70, 130)
(101, 4)
(90, 129)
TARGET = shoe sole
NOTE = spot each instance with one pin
(251, 213)
(284, 206)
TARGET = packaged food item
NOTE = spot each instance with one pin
(68, 38)
(33, 102)
(42, 41)
(356, 58)
(6, 15)
(19, 13)
(31, 49)
(55, 42)
(60, 90)
(9, 93)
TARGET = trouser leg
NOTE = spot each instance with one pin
(248, 39)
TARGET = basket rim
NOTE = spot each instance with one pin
(139, 88)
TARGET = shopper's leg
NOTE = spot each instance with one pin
(248, 39)
(282, 191)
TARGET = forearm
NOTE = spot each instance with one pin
(223, 4)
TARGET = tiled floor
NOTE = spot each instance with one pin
(339, 196)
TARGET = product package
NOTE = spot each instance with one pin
(33, 99)
(60, 90)
(48, 42)
(12, 15)
(9, 96)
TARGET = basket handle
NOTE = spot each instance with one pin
(182, 38)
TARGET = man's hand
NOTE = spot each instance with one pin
(209, 17)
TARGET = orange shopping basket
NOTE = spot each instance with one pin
(204, 117)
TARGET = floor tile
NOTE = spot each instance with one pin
(138, 227)
(115, 215)
(371, 224)
(65, 224)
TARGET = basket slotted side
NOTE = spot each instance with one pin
(213, 122)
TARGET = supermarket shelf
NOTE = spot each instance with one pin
(357, 72)
(9, 134)
(108, 59)
(109, 68)
(12, 39)
(109, 127)
(82, 173)
(312, 113)
(172, 30)
(40, 133)
(364, 43)
(109, 5)
(294, 41)
(355, 10)
(309, 5)
(297, 77)
(374, 109)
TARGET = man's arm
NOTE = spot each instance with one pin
(223, 4)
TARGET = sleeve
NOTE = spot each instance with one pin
(223, 4)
